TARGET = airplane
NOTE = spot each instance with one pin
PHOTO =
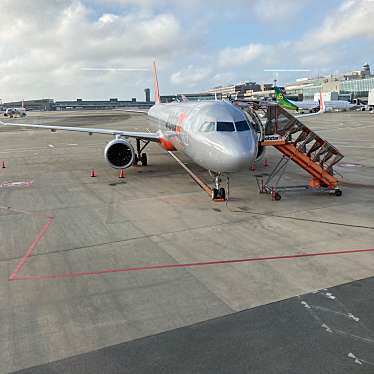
(311, 106)
(216, 135)
(14, 112)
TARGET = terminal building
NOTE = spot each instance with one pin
(42, 104)
(51, 105)
(348, 86)
(112, 103)
(235, 90)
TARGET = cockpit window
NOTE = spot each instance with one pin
(208, 127)
(225, 126)
(241, 126)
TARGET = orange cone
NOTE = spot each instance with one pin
(266, 163)
(122, 173)
(93, 173)
(3, 165)
(253, 167)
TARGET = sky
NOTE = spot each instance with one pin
(47, 47)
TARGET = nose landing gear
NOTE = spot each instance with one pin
(218, 192)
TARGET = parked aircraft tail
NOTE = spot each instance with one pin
(282, 101)
(322, 106)
(155, 84)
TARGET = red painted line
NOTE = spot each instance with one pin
(29, 251)
(186, 265)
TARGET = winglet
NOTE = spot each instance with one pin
(322, 106)
(155, 84)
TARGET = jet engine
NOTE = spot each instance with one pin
(119, 153)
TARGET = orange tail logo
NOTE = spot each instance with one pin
(155, 84)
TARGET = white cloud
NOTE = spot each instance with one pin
(353, 19)
(44, 44)
(191, 75)
(276, 10)
(241, 55)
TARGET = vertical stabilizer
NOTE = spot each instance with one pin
(322, 105)
(155, 84)
(283, 101)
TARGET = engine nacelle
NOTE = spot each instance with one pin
(119, 153)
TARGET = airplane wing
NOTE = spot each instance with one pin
(307, 114)
(154, 137)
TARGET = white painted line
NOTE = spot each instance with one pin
(306, 305)
(16, 184)
(350, 315)
(330, 296)
(326, 328)
(23, 149)
(359, 360)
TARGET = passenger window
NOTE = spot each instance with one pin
(241, 126)
(208, 127)
(225, 126)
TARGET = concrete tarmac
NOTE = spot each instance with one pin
(329, 332)
(56, 219)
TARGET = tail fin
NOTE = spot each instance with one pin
(155, 84)
(322, 106)
(282, 101)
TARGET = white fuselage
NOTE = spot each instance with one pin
(329, 105)
(14, 112)
(214, 134)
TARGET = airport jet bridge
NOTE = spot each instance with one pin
(299, 144)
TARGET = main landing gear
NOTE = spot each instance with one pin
(218, 192)
(139, 156)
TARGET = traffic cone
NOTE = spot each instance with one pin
(266, 163)
(253, 167)
(122, 173)
(93, 173)
(3, 166)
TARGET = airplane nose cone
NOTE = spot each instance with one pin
(237, 151)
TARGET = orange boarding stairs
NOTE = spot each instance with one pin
(304, 147)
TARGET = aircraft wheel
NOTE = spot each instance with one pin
(214, 193)
(143, 159)
(222, 193)
(338, 192)
(136, 160)
(277, 196)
